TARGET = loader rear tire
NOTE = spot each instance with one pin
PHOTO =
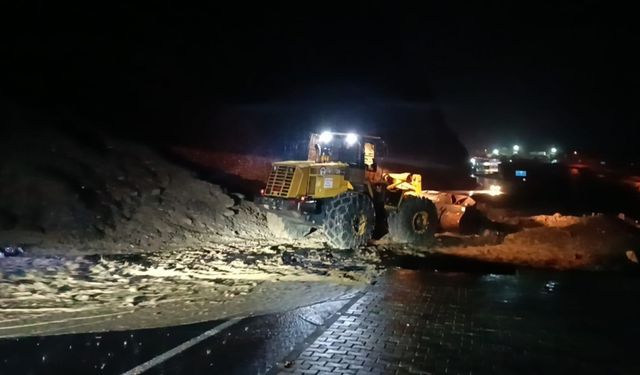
(286, 229)
(349, 220)
(415, 222)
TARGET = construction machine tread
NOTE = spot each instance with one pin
(415, 222)
(349, 220)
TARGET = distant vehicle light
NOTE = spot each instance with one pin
(516, 148)
(326, 137)
(495, 190)
(351, 139)
(496, 151)
(554, 150)
(472, 161)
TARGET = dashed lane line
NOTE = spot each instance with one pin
(181, 348)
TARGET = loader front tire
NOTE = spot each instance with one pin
(349, 220)
(415, 222)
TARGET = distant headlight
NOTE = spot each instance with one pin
(495, 190)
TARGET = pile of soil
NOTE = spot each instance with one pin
(561, 242)
(70, 191)
(556, 220)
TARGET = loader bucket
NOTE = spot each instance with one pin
(457, 212)
(450, 217)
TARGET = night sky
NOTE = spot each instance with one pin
(487, 74)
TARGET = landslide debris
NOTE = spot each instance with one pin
(558, 241)
(66, 192)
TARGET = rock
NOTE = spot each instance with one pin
(631, 255)
(11, 251)
(155, 192)
(239, 196)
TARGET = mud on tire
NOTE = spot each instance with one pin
(282, 228)
(349, 220)
(415, 222)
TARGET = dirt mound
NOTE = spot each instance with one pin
(76, 192)
(563, 242)
(556, 220)
(246, 166)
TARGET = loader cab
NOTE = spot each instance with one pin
(359, 152)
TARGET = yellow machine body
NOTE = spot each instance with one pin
(298, 179)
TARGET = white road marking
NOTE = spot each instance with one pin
(181, 348)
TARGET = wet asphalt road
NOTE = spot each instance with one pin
(252, 346)
(416, 322)
(553, 321)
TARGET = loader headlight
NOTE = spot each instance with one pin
(351, 139)
(326, 137)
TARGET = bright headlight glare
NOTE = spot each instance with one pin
(351, 139)
(495, 190)
(326, 137)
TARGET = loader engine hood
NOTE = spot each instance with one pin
(298, 179)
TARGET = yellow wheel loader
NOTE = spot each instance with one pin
(342, 190)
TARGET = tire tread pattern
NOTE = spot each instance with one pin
(401, 223)
(340, 213)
